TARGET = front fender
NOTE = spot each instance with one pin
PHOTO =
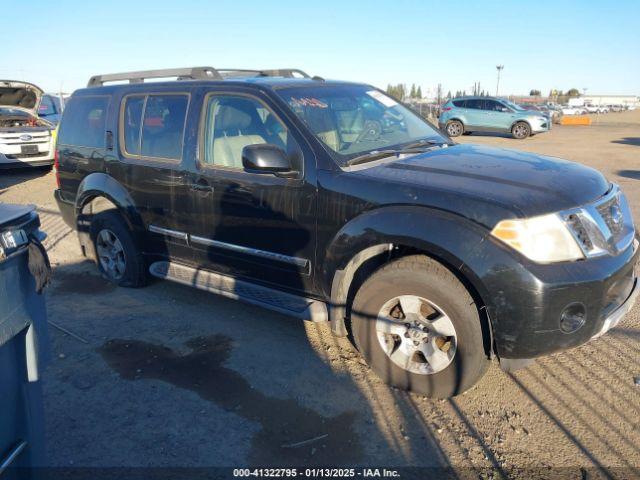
(447, 237)
(442, 234)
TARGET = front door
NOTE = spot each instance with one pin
(502, 116)
(256, 226)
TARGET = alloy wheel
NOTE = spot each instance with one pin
(111, 254)
(416, 335)
(454, 129)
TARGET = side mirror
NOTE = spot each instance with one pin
(265, 158)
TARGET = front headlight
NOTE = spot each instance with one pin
(544, 239)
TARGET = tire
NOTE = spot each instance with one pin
(109, 228)
(454, 128)
(412, 277)
(521, 130)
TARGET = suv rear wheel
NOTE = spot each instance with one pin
(116, 254)
(521, 130)
(454, 128)
(418, 328)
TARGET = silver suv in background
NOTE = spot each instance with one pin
(25, 138)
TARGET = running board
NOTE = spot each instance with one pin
(286, 303)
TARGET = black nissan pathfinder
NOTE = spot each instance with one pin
(331, 201)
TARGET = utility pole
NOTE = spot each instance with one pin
(499, 68)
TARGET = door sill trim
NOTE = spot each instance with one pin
(248, 292)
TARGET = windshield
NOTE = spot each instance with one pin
(512, 105)
(355, 119)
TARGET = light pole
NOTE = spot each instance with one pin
(499, 68)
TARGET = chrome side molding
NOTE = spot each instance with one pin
(302, 263)
(168, 233)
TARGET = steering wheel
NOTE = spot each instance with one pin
(371, 131)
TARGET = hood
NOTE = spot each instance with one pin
(461, 176)
(15, 93)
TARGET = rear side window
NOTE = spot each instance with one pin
(459, 103)
(132, 116)
(475, 104)
(83, 123)
(152, 126)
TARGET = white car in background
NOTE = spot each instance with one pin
(569, 110)
(25, 138)
(597, 108)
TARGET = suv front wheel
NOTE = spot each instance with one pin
(418, 328)
(116, 254)
(521, 130)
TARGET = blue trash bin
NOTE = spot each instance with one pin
(23, 341)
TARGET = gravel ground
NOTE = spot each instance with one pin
(169, 376)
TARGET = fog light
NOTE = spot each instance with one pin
(573, 317)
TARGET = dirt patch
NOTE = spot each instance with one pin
(82, 283)
(291, 434)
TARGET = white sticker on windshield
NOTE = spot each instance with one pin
(382, 98)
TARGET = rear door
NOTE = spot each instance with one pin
(474, 113)
(256, 226)
(150, 147)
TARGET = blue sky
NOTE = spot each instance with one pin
(543, 44)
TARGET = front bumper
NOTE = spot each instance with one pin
(539, 127)
(525, 300)
(16, 161)
(613, 319)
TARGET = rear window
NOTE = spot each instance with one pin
(459, 103)
(83, 123)
(152, 126)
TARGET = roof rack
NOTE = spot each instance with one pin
(194, 73)
(191, 73)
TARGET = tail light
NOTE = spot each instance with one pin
(56, 166)
(446, 109)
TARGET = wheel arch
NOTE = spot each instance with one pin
(99, 192)
(456, 119)
(376, 239)
(520, 120)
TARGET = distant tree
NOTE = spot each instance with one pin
(413, 91)
(464, 93)
(449, 94)
(419, 92)
(574, 92)
(535, 93)
(398, 91)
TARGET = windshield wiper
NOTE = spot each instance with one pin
(425, 141)
(378, 154)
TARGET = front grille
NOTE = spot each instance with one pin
(26, 155)
(607, 210)
(603, 227)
